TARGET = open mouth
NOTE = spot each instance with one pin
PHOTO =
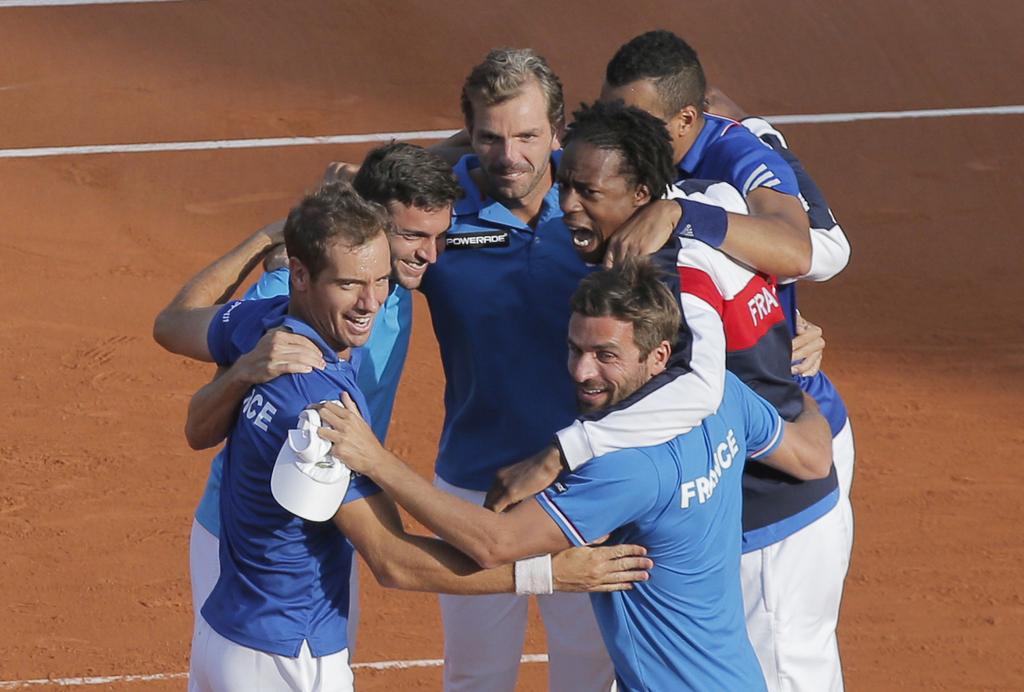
(414, 266)
(359, 324)
(590, 394)
(583, 239)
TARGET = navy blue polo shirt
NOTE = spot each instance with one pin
(499, 301)
(283, 580)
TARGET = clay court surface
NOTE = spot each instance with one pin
(924, 329)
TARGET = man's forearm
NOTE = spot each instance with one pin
(773, 243)
(213, 408)
(474, 530)
(180, 327)
(401, 560)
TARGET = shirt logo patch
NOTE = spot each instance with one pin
(477, 241)
(559, 487)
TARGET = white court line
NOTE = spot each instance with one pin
(106, 680)
(58, 3)
(37, 152)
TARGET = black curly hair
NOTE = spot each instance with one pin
(640, 138)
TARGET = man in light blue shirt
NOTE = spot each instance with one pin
(683, 629)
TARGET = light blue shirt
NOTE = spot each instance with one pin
(684, 628)
(379, 371)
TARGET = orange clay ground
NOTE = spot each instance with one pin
(924, 329)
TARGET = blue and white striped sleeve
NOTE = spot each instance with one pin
(607, 493)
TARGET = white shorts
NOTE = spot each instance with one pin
(792, 591)
(483, 637)
(221, 665)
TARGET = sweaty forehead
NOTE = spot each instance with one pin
(641, 94)
(526, 110)
(366, 261)
(583, 161)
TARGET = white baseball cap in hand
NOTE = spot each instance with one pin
(307, 480)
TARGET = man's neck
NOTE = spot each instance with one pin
(681, 147)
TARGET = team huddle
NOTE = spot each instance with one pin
(636, 428)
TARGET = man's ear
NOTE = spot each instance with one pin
(300, 279)
(556, 140)
(641, 196)
(657, 359)
(684, 121)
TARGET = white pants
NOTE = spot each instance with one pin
(483, 637)
(204, 570)
(792, 591)
(220, 665)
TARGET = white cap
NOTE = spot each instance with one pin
(307, 480)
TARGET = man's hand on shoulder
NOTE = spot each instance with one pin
(519, 481)
(279, 352)
(352, 439)
(612, 568)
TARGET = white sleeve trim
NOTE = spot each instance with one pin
(830, 252)
(667, 412)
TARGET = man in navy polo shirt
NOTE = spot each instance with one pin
(683, 629)
(791, 614)
(499, 302)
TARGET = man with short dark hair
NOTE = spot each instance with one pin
(418, 189)
(792, 620)
(683, 629)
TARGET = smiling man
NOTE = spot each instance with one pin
(418, 191)
(277, 616)
(683, 629)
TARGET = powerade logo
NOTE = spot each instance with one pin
(477, 241)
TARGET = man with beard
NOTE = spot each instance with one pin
(683, 629)
(499, 304)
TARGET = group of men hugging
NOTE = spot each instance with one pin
(633, 405)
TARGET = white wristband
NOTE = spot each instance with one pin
(533, 576)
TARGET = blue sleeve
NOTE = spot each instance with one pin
(763, 425)
(609, 492)
(747, 163)
(360, 487)
(270, 285)
(238, 325)
(221, 330)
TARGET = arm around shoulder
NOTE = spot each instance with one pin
(806, 448)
